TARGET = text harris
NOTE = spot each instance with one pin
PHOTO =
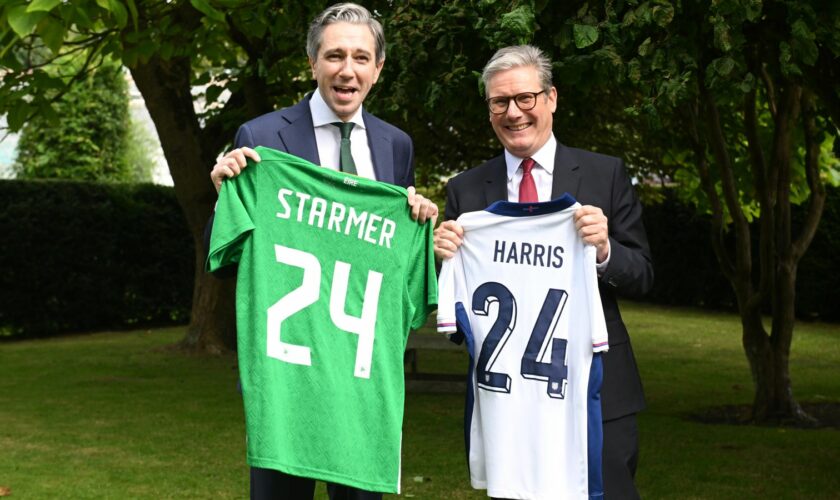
(531, 254)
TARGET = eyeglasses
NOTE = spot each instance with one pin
(524, 101)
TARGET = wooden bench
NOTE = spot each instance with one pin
(427, 342)
(416, 381)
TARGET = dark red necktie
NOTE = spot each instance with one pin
(527, 187)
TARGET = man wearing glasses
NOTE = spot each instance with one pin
(536, 168)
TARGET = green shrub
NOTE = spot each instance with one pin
(90, 139)
(82, 256)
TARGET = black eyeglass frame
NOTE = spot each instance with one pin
(514, 98)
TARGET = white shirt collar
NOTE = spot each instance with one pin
(544, 158)
(323, 115)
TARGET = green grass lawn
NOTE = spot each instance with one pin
(117, 415)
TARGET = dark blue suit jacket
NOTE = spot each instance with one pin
(601, 181)
(291, 130)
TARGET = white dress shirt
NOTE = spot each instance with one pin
(328, 137)
(543, 173)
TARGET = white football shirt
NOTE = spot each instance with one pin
(523, 291)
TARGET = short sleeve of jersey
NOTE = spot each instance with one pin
(232, 223)
(598, 327)
(422, 284)
(446, 321)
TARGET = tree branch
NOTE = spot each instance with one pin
(716, 230)
(743, 260)
(768, 85)
(759, 168)
(759, 164)
(780, 173)
(92, 61)
(816, 201)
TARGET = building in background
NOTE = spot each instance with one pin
(8, 150)
(140, 117)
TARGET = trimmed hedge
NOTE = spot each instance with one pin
(687, 272)
(818, 276)
(82, 256)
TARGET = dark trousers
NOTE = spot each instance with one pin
(620, 457)
(268, 484)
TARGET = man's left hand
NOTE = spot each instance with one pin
(422, 208)
(591, 224)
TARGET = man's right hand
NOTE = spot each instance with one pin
(448, 237)
(231, 165)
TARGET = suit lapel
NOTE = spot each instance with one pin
(565, 179)
(297, 132)
(495, 184)
(381, 149)
(566, 176)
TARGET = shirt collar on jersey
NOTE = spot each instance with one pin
(322, 115)
(544, 158)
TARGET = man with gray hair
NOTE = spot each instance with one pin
(534, 168)
(346, 51)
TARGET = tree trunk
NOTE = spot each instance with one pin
(769, 356)
(213, 319)
(165, 86)
(760, 357)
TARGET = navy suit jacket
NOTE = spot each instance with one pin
(290, 130)
(601, 181)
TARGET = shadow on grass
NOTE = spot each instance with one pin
(825, 415)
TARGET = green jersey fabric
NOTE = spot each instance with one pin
(332, 274)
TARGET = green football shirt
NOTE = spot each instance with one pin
(333, 273)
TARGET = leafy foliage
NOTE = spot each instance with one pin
(89, 141)
(430, 85)
(743, 96)
(238, 59)
(251, 49)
